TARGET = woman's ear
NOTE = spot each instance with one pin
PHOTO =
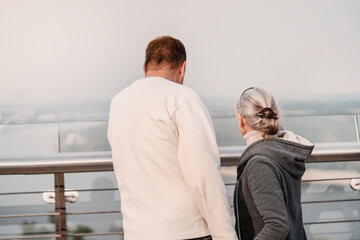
(242, 125)
(240, 120)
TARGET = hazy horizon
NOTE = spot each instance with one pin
(84, 51)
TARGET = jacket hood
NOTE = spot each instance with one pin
(287, 150)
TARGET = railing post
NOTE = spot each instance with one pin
(58, 138)
(60, 207)
(357, 126)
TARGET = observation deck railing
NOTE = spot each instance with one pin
(63, 163)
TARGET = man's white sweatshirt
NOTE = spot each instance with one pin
(166, 162)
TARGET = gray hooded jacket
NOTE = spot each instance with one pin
(267, 197)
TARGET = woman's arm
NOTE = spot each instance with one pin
(268, 196)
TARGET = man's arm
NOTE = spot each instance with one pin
(199, 162)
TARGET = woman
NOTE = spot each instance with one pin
(268, 189)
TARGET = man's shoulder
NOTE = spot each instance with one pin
(188, 92)
(158, 88)
(165, 87)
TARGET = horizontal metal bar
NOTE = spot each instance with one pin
(331, 201)
(92, 190)
(29, 215)
(30, 237)
(315, 180)
(18, 193)
(335, 152)
(94, 234)
(59, 163)
(329, 179)
(102, 161)
(323, 152)
(329, 222)
(100, 212)
(66, 190)
(230, 184)
(63, 157)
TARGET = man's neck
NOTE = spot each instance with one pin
(167, 74)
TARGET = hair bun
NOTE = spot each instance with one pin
(268, 113)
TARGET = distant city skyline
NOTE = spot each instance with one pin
(61, 51)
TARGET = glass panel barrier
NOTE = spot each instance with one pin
(319, 129)
(227, 132)
(90, 136)
(84, 137)
(19, 139)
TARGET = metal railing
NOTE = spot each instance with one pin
(60, 164)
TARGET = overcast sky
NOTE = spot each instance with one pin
(55, 51)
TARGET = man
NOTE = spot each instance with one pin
(165, 154)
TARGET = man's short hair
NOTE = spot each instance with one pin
(165, 50)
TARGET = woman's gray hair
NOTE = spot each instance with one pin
(260, 110)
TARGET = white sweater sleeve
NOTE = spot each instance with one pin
(199, 162)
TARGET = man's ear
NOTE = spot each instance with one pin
(144, 69)
(182, 69)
